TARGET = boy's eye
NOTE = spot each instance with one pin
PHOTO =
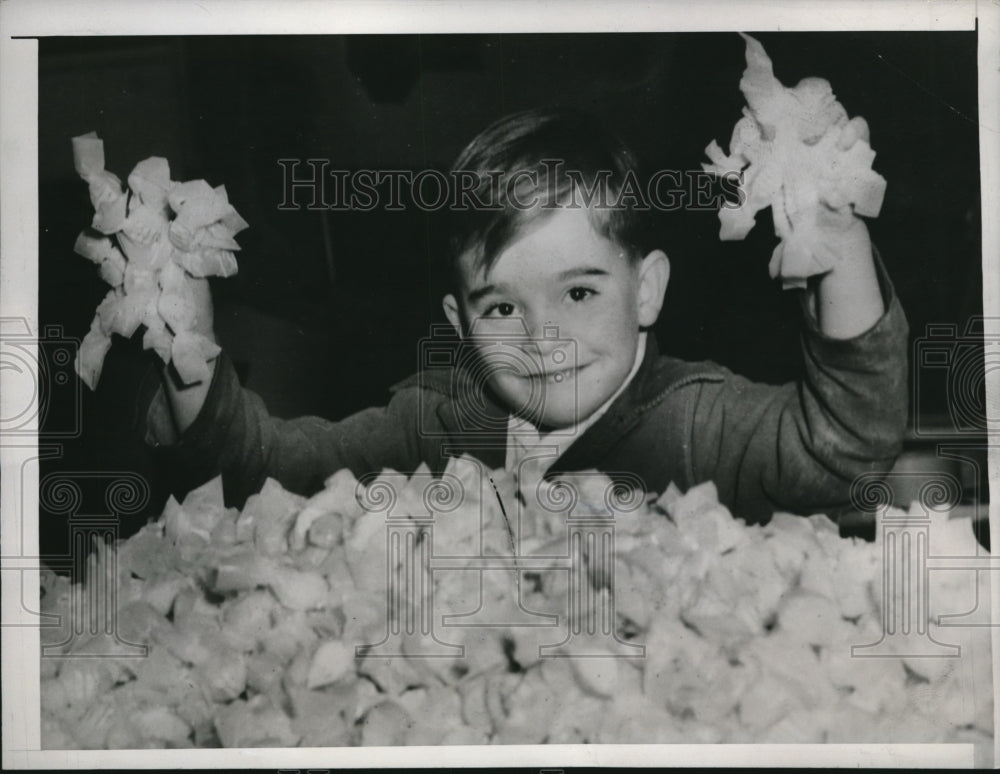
(581, 294)
(502, 309)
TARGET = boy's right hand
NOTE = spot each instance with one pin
(186, 400)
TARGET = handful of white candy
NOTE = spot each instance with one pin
(795, 150)
(149, 242)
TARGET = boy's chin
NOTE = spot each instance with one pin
(554, 407)
(561, 418)
(558, 409)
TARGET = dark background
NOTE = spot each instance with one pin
(327, 309)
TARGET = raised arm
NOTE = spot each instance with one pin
(799, 446)
(234, 435)
(215, 426)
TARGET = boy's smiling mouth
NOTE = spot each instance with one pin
(556, 376)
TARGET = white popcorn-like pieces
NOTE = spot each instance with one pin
(190, 353)
(253, 630)
(332, 661)
(797, 152)
(150, 182)
(93, 348)
(148, 242)
(105, 188)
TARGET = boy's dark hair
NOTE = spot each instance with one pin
(571, 156)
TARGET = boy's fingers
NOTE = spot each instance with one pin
(855, 129)
(834, 217)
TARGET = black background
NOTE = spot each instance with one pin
(327, 309)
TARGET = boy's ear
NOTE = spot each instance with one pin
(451, 311)
(654, 274)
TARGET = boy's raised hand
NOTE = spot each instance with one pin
(796, 151)
(201, 292)
(846, 300)
(817, 201)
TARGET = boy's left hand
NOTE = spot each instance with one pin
(846, 230)
(812, 212)
(846, 300)
(843, 234)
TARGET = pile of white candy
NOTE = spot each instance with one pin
(252, 619)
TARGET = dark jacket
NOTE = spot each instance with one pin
(793, 447)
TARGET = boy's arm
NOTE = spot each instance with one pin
(233, 434)
(798, 447)
(847, 300)
(185, 401)
(215, 426)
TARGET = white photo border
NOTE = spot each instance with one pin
(22, 22)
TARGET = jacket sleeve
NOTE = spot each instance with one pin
(235, 435)
(798, 447)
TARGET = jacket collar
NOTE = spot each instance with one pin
(655, 377)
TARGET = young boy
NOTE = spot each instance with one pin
(551, 299)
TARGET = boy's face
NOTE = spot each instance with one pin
(556, 319)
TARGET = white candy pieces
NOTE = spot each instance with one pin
(797, 152)
(148, 242)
